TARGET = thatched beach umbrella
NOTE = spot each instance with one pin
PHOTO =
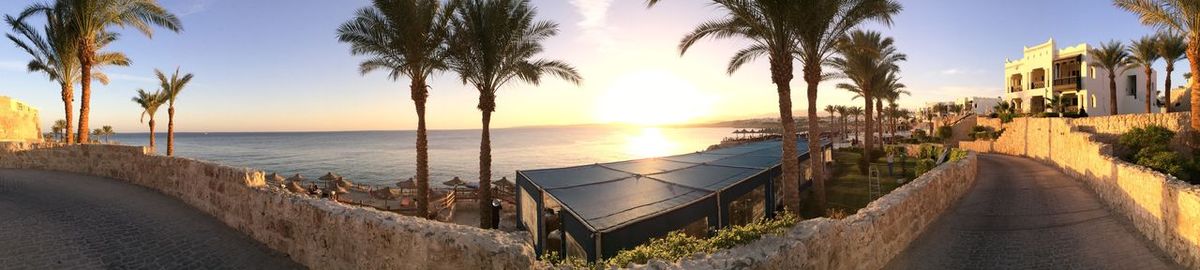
(407, 184)
(386, 193)
(296, 188)
(455, 182)
(296, 178)
(328, 177)
(343, 183)
(275, 178)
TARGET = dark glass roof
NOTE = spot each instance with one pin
(609, 195)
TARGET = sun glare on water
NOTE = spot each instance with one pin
(651, 98)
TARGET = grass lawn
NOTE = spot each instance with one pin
(847, 191)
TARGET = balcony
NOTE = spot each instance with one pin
(1037, 84)
(1015, 89)
(1067, 83)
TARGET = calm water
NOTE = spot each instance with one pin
(381, 157)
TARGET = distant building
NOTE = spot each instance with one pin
(1045, 72)
(18, 121)
(978, 105)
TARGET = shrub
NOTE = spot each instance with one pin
(958, 154)
(1166, 162)
(1006, 117)
(1132, 142)
(677, 245)
(924, 165)
(945, 132)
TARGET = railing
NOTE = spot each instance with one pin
(1067, 81)
(1015, 89)
(1037, 84)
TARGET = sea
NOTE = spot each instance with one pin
(385, 157)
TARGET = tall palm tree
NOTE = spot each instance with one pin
(493, 42)
(1172, 48)
(1178, 16)
(89, 21)
(770, 26)
(149, 103)
(1112, 58)
(171, 88)
(404, 38)
(831, 110)
(869, 61)
(890, 91)
(819, 25)
(1144, 52)
(55, 55)
(841, 111)
(108, 132)
(855, 112)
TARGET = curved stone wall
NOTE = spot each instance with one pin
(1164, 209)
(868, 239)
(317, 233)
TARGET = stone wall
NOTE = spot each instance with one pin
(868, 239)
(317, 233)
(1164, 209)
(18, 121)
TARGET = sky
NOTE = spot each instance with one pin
(266, 66)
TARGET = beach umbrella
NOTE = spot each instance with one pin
(407, 184)
(295, 187)
(296, 178)
(275, 178)
(386, 193)
(329, 176)
(342, 182)
(455, 182)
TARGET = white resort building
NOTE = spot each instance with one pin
(978, 105)
(1046, 71)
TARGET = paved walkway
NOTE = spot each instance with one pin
(53, 220)
(1022, 214)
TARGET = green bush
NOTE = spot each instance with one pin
(958, 154)
(1167, 162)
(677, 245)
(924, 165)
(945, 132)
(1006, 117)
(1132, 142)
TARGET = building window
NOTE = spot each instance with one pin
(1093, 101)
(1131, 86)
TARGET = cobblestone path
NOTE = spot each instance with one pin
(1022, 214)
(54, 220)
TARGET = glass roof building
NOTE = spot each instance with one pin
(604, 208)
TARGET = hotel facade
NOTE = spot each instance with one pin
(1045, 72)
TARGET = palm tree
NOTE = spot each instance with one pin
(1112, 58)
(493, 42)
(171, 88)
(55, 55)
(1171, 47)
(890, 91)
(89, 21)
(770, 26)
(869, 61)
(1144, 52)
(830, 110)
(405, 38)
(1056, 103)
(149, 103)
(58, 128)
(841, 111)
(855, 112)
(1178, 16)
(819, 25)
(108, 132)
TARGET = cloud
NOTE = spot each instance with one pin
(959, 71)
(132, 78)
(594, 21)
(953, 71)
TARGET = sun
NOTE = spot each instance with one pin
(652, 98)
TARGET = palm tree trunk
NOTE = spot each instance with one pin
(781, 75)
(485, 172)
(868, 138)
(171, 129)
(419, 95)
(816, 154)
(68, 99)
(1193, 53)
(86, 51)
(1167, 90)
(152, 134)
(1149, 91)
(1112, 92)
(879, 127)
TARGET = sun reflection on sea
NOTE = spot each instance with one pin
(650, 142)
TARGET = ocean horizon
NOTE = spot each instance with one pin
(384, 157)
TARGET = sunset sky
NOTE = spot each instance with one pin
(269, 66)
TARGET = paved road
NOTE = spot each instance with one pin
(53, 220)
(1022, 214)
